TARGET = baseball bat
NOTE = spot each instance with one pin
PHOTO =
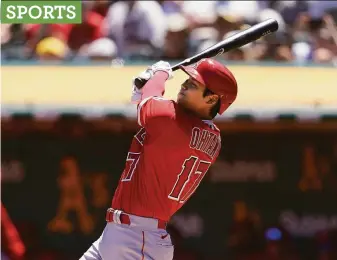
(235, 41)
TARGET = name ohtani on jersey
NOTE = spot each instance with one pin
(205, 141)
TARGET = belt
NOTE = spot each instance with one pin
(119, 217)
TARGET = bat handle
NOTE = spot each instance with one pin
(139, 82)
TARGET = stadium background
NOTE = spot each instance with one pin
(67, 125)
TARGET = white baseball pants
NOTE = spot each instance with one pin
(141, 240)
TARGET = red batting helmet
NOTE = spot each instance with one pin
(217, 78)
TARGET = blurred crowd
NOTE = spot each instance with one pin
(171, 30)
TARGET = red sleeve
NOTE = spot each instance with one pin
(155, 87)
(153, 106)
(153, 109)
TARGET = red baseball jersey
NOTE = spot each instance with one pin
(168, 158)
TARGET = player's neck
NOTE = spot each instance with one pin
(202, 115)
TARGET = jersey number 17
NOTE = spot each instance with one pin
(192, 172)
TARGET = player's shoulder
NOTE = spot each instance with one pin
(158, 108)
(158, 99)
(155, 101)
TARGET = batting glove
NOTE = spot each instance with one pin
(162, 66)
(136, 94)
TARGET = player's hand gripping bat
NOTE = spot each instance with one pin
(236, 41)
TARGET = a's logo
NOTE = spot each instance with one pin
(41, 12)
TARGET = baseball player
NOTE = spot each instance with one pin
(170, 154)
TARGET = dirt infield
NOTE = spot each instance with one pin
(87, 85)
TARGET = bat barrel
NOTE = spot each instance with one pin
(249, 35)
(235, 41)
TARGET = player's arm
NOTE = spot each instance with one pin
(155, 86)
(155, 78)
(153, 107)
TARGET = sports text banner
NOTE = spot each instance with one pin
(41, 12)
